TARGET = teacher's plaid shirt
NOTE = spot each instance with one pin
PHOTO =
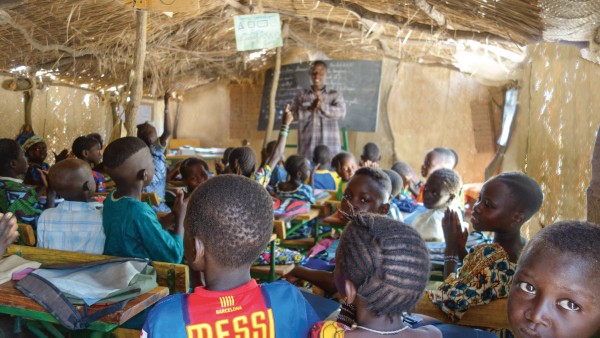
(320, 127)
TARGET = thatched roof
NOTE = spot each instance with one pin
(91, 41)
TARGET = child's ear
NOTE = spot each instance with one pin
(197, 256)
(451, 197)
(141, 175)
(85, 153)
(384, 209)
(518, 218)
(12, 164)
(350, 290)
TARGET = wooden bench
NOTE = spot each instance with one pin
(492, 315)
(174, 276)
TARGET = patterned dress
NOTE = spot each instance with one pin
(159, 181)
(19, 199)
(486, 275)
(328, 329)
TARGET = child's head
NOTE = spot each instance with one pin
(147, 133)
(194, 172)
(438, 158)
(322, 156)
(12, 158)
(242, 161)
(128, 162)
(226, 153)
(35, 149)
(228, 207)
(382, 262)
(396, 181)
(98, 138)
(87, 149)
(266, 152)
(73, 180)
(298, 168)
(506, 202)
(406, 172)
(442, 186)
(344, 164)
(371, 153)
(557, 284)
(367, 191)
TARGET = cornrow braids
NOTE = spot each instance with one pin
(386, 260)
(242, 161)
(449, 178)
(293, 165)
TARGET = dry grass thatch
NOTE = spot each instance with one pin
(92, 41)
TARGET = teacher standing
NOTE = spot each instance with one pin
(318, 110)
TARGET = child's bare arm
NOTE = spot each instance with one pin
(179, 210)
(280, 146)
(8, 231)
(167, 122)
(322, 279)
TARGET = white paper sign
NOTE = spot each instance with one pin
(257, 31)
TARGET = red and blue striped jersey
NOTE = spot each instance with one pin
(251, 310)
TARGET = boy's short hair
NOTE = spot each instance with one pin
(9, 151)
(118, 151)
(322, 156)
(293, 165)
(371, 152)
(387, 261)
(68, 177)
(189, 162)
(449, 178)
(83, 143)
(318, 62)
(449, 156)
(526, 192)
(380, 177)
(580, 239)
(233, 216)
(245, 159)
(395, 180)
(403, 169)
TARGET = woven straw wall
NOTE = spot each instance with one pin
(555, 130)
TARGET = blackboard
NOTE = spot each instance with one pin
(357, 80)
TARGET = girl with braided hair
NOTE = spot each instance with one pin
(382, 270)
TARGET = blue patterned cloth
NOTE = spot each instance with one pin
(159, 181)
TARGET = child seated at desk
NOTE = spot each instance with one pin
(505, 203)
(345, 166)
(242, 161)
(132, 228)
(76, 224)
(194, 172)
(298, 170)
(396, 181)
(323, 178)
(437, 158)
(411, 186)
(157, 145)
(367, 191)
(370, 156)
(15, 197)
(279, 174)
(229, 223)
(440, 190)
(36, 152)
(89, 150)
(555, 289)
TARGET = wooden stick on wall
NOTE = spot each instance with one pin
(273, 93)
(28, 101)
(137, 80)
(593, 192)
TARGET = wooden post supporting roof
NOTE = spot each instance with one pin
(273, 93)
(593, 192)
(136, 85)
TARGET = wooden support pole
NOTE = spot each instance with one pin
(28, 101)
(136, 84)
(273, 93)
(593, 192)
